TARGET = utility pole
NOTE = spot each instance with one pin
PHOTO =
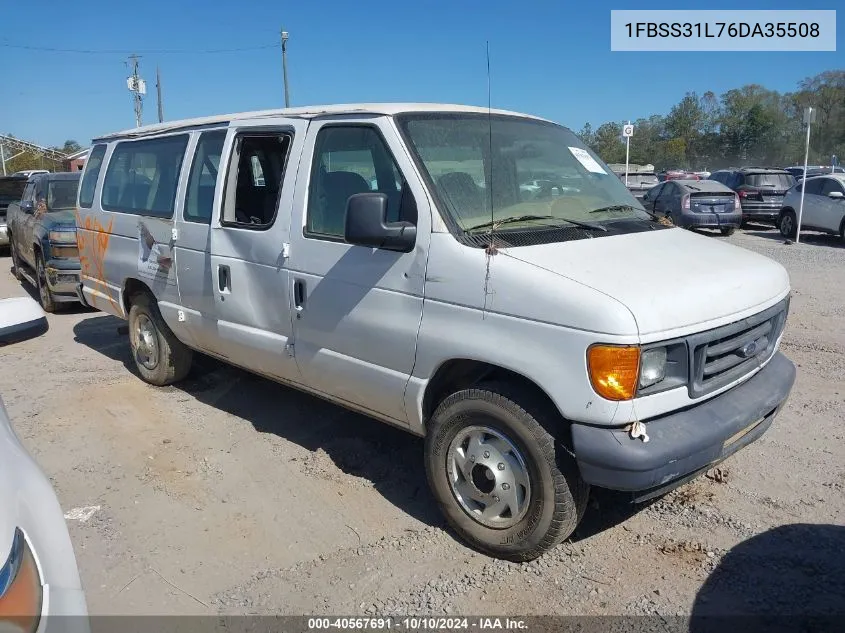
(809, 117)
(285, 65)
(138, 87)
(158, 90)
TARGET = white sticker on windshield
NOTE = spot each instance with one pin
(586, 160)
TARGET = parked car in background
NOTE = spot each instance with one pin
(695, 203)
(11, 190)
(824, 206)
(677, 174)
(760, 190)
(26, 173)
(524, 397)
(813, 170)
(640, 183)
(42, 237)
(39, 577)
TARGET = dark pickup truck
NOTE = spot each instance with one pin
(42, 237)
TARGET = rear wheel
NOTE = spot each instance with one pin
(727, 230)
(787, 223)
(493, 467)
(44, 294)
(16, 262)
(160, 357)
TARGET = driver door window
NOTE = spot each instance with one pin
(349, 160)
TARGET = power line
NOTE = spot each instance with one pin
(162, 51)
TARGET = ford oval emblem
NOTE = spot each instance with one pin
(748, 350)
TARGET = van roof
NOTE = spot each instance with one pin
(305, 112)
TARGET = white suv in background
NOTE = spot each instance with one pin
(824, 206)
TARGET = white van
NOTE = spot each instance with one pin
(388, 258)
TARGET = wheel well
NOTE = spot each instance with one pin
(131, 287)
(461, 373)
(785, 210)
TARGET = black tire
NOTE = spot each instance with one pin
(45, 297)
(171, 360)
(727, 230)
(558, 496)
(787, 223)
(16, 262)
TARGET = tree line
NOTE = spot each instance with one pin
(750, 125)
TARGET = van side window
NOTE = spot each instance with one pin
(142, 176)
(350, 160)
(89, 178)
(199, 199)
(255, 180)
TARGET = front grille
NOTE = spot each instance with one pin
(725, 354)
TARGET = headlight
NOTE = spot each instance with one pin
(20, 589)
(652, 366)
(614, 370)
(63, 237)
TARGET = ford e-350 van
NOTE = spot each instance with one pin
(392, 259)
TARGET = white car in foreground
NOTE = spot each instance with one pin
(824, 206)
(39, 578)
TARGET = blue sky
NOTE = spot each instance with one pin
(549, 58)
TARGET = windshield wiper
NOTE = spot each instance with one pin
(523, 218)
(614, 207)
(622, 207)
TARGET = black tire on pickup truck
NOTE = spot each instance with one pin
(160, 357)
(493, 467)
(45, 297)
(16, 262)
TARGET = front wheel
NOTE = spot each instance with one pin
(160, 357)
(727, 230)
(44, 294)
(493, 468)
(787, 224)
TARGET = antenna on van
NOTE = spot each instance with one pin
(491, 247)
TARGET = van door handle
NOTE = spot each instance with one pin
(224, 278)
(299, 296)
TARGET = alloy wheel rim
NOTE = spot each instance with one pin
(146, 342)
(488, 477)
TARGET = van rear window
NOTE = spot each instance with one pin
(142, 176)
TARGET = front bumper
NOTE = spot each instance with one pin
(684, 443)
(4, 234)
(62, 279)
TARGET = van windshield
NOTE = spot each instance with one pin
(503, 168)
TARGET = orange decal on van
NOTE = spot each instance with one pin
(93, 243)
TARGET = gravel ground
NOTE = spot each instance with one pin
(230, 494)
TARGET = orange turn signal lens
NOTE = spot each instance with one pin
(21, 594)
(614, 370)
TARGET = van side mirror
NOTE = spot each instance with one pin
(21, 318)
(366, 225)
(836, 195)
(27, 206)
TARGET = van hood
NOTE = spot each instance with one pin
(671, 280)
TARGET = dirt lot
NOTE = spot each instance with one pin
(231, 494)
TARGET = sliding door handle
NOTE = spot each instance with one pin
(299, 295)
(224, 278)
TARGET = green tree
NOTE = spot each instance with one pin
(608, 143)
